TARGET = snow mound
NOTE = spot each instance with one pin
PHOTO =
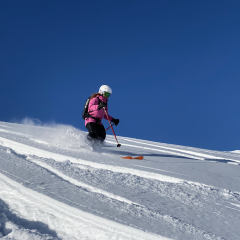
(13, 227)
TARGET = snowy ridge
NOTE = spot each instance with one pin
(80, 184)
(53, 187)
(40, 207)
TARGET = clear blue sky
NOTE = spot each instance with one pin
(174, 66)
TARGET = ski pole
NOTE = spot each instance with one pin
(109, 127)
(119, 145)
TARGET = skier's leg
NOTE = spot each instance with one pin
(101, 132)
(92, 131)
(92, 138)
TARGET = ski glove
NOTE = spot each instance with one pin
(101, 105)
(115, 121)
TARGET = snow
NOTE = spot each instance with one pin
(236, 151)
(52, 186)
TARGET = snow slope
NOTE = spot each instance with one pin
(52, 186)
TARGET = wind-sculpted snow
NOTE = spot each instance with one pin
(53, 187)
(22, 229)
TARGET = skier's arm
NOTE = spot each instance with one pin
(105, 116)
(93, 107)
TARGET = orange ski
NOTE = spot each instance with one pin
(130, 158)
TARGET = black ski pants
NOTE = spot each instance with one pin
(96, 131)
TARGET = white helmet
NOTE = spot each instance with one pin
(105, 88)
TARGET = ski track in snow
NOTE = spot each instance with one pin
(80, 184)
(74, 224)
(193, 152)
(24, 149)
(78, 194)
(184, 151)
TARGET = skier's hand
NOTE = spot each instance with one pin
(102, 105)
(115, 121)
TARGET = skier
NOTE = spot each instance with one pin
(96, 112)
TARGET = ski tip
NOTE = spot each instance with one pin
(139, 157)
(128, 157)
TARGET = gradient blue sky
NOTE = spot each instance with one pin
(174, 66)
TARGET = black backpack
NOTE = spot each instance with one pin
(85, 113)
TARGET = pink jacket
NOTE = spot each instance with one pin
(100, 114)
